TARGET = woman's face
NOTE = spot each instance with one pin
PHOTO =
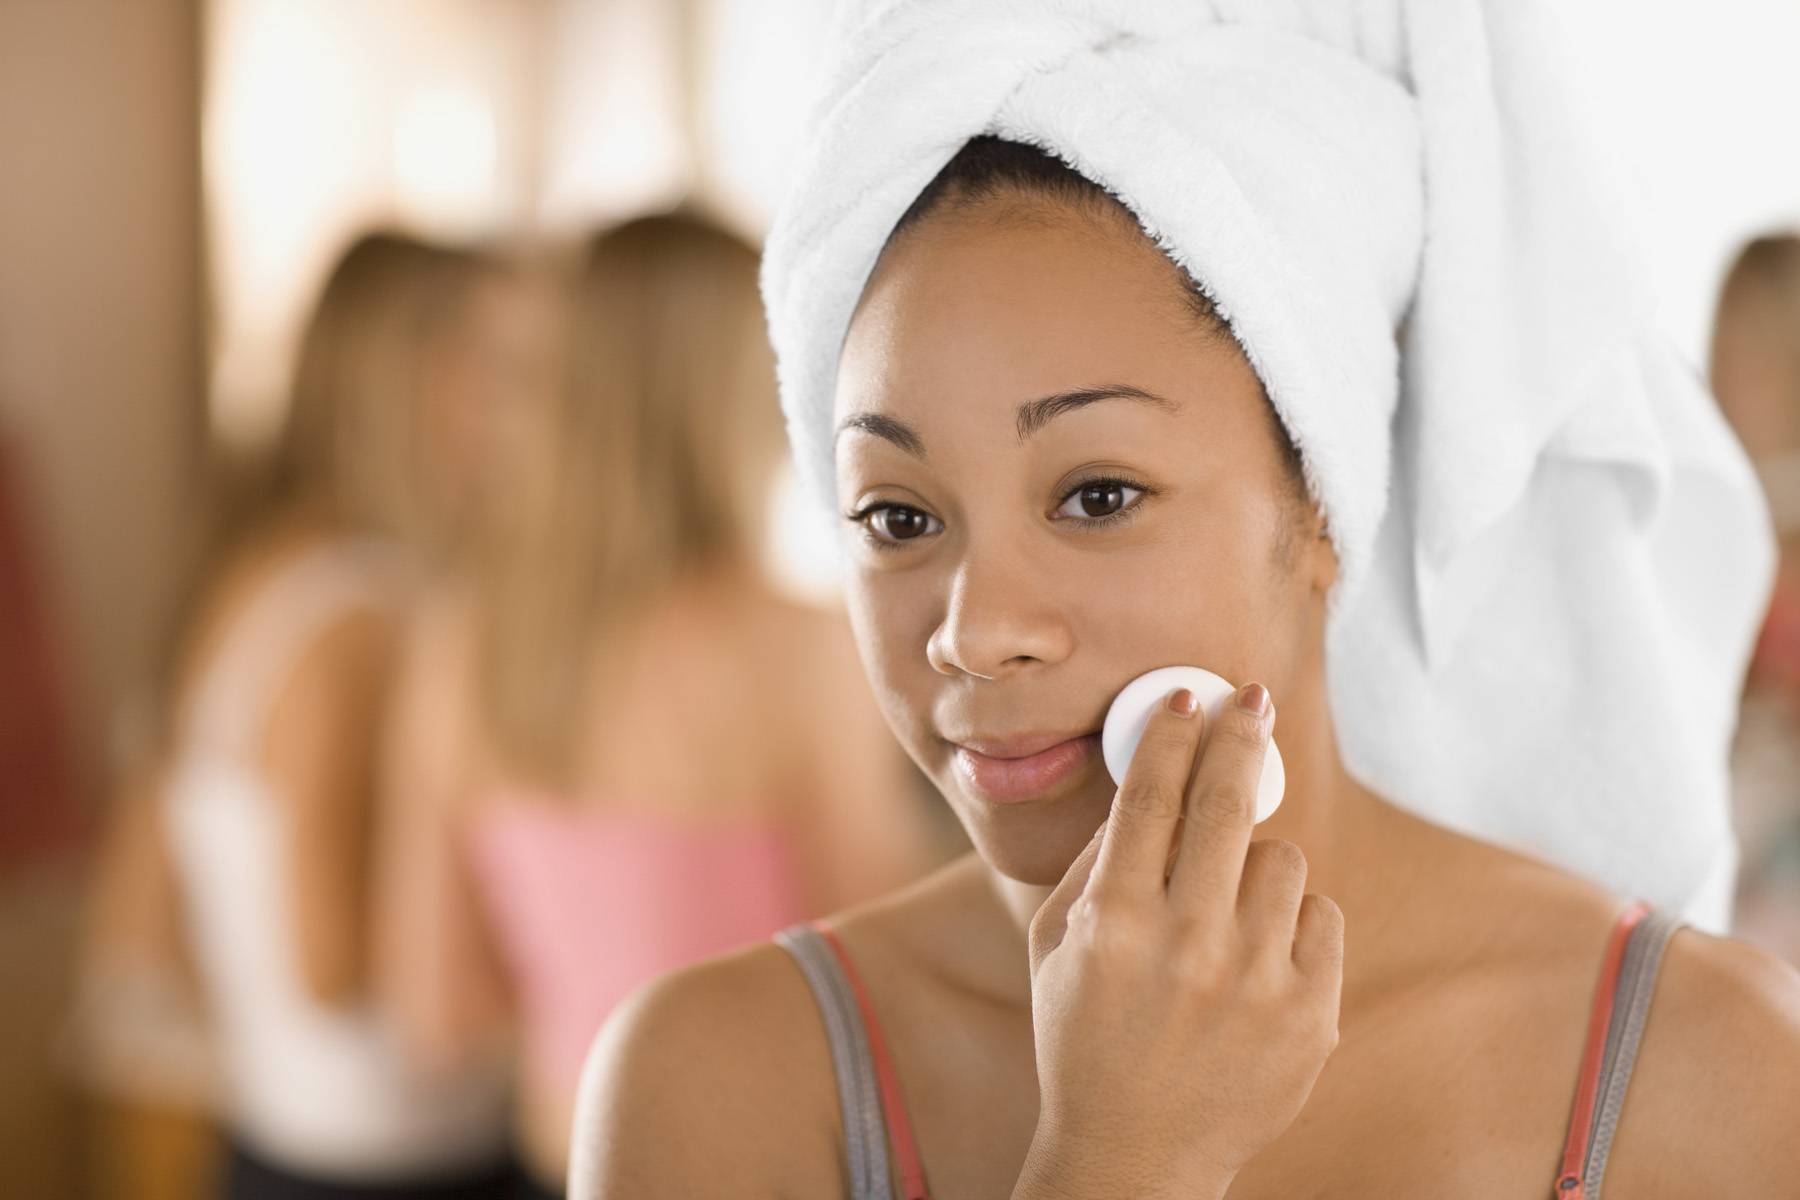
(1061, 478)
(488, 380)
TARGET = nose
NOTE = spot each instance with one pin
(1000, 619)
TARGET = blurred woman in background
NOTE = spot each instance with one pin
(259, 800)
(1756, 376)
(556, 841)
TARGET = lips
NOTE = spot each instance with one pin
(1012, 770)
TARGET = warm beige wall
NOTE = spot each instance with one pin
(99, 314)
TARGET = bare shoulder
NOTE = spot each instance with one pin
(334, 686)
(1500, 910)
(353, 644)
(715, 1080)
(1713, 1100)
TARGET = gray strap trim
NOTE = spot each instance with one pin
(865, 1131)
(1631, 1007)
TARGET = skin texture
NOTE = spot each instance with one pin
(1467, 970)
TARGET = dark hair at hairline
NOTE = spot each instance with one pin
(987, 166)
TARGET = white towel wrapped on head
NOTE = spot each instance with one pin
(1552, 552)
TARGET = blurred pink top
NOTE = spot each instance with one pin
(589, 904)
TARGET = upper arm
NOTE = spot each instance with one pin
(1712, 1102)
(438, 975)
(133, 917)
(319, 757)
(711, 1081)
(866, 817)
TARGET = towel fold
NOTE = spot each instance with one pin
(1552, 552)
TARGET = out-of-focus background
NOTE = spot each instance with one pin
(181, 182)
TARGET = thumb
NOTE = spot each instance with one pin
(1051, 921)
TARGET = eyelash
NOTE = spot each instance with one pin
(860, 516)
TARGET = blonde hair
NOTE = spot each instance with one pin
(349, 451)
(351, 443)
(651, 468)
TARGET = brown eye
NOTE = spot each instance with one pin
(890, 523)
(900, 523)
(1099, 499)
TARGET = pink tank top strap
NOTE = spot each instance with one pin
(1627, 980)
(893, 1105)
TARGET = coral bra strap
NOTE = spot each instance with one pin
(1571, 1182)
(906, 1152)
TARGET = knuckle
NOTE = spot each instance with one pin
(1171, 728)
(1241, 730)
(1278, 854)
(1326, 914)
(1084, 913)
(1147, 797)
(1321, 929)
(1269, 978)
(1116, 937)
(1278, 861)
(1226, 803)
(1168, 743)
(1200, 964)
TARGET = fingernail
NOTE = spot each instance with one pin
(1253, 698)
(1182, 702)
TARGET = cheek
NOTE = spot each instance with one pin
(1208, 591)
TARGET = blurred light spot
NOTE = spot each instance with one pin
(446, 154)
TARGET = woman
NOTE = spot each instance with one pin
(1057, 419)
(556, 839)
(256, 806)
(1756, 375)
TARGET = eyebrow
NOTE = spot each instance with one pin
(1030, 417)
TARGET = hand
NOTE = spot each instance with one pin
(1184, 989)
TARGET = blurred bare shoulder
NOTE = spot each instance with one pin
(715, 1080)
(336, 684)
(1713, 1098)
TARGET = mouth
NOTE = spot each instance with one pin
(1014, 770)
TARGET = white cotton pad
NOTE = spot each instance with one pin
(1131, 710)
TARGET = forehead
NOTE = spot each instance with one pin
(1005, 301)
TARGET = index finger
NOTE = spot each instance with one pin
(1140, 828)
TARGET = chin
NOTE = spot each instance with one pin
(1033, 843)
